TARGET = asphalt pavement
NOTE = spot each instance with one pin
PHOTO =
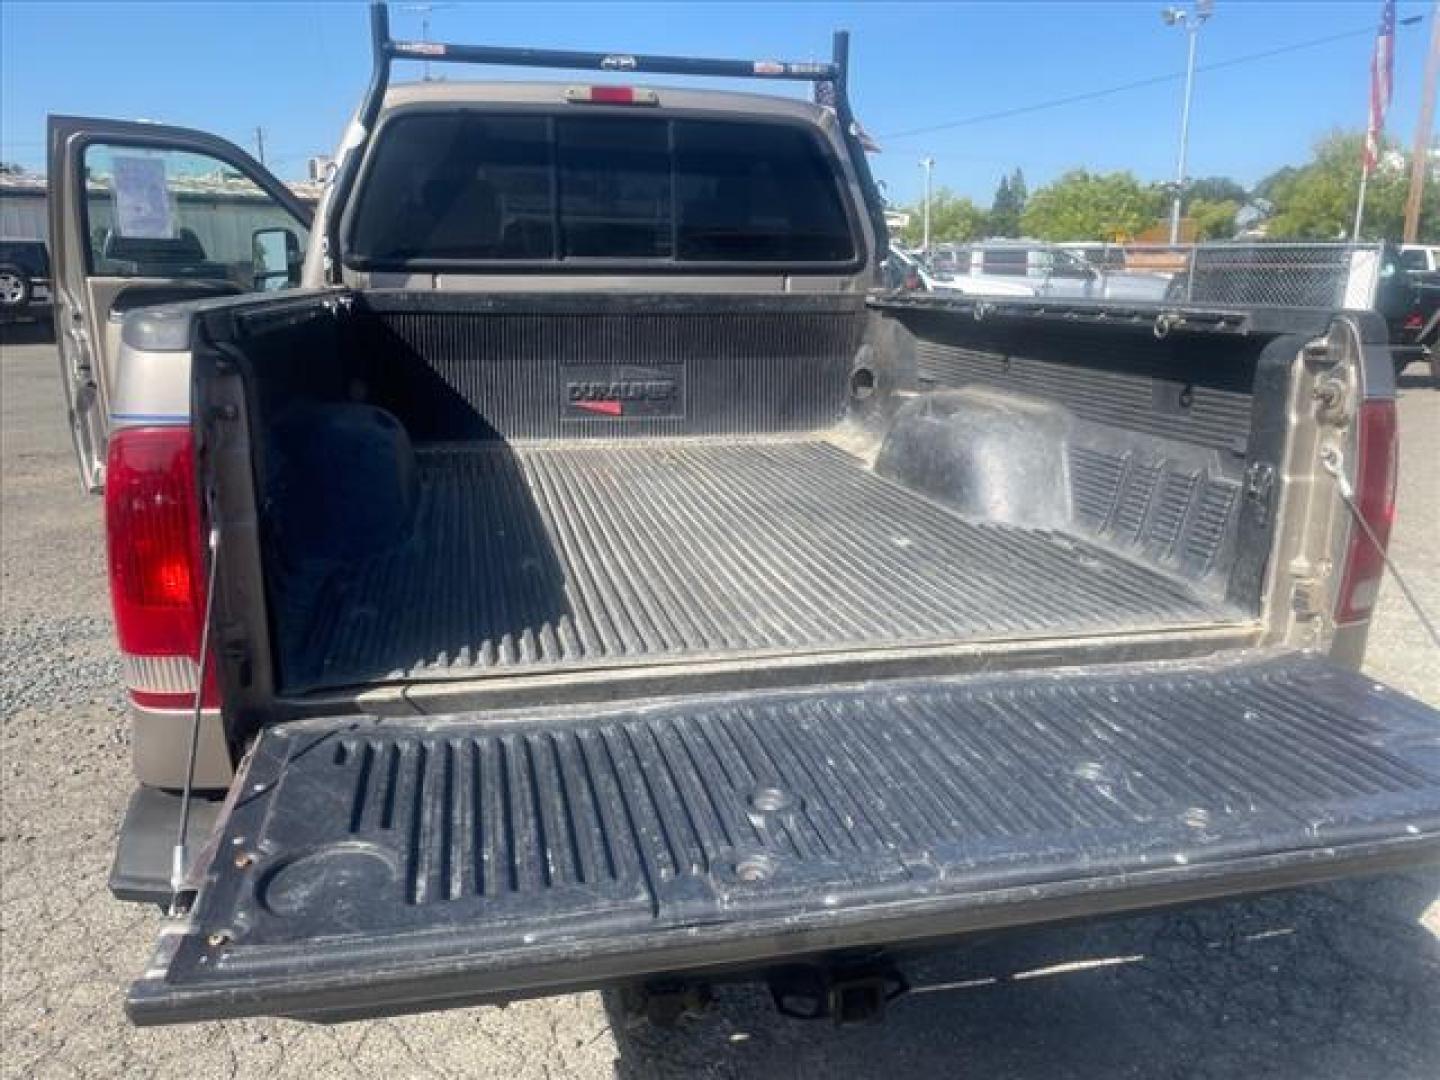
(1340, 981)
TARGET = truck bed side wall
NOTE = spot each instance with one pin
(1142, 444)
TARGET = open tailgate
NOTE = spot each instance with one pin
(370, 867)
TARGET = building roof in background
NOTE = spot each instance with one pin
(218, 184)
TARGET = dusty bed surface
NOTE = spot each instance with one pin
(627, 553)
(1342, 981)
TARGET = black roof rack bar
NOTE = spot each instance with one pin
(386, 49)
(440, 52)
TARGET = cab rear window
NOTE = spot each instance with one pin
(464, 188)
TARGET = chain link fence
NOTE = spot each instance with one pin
(1246, 275)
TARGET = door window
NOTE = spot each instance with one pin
(1063, 264)
(177, 214)
(950, 262)
(1012, 262)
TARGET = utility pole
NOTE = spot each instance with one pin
(928, 164)
(260, 143)
(1191, 21)
(1424, 133)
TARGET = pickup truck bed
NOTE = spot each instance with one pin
(572, 556)
(769, 480)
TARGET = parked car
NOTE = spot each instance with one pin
(582, 576)
(1408, 299)
(915, 271)
(24, 280)
(1050, 271)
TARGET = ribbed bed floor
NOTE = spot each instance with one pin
(589, 555)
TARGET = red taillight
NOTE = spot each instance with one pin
(612, 95)
(154, 539)
(1377, 454)
(1414, 321)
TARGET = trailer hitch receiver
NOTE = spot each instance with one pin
(845, 993)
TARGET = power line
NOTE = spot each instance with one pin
(1153, 80)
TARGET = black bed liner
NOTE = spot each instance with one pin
(547, 556)
(379, 866)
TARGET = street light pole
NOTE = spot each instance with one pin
(928, 164)
(1191, 20)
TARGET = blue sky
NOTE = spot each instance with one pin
(297, 70)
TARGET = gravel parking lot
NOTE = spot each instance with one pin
(1342, 981)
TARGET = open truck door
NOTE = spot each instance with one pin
(144, 214)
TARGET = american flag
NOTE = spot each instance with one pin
(1382, 82)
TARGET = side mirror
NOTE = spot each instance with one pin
(275, 255)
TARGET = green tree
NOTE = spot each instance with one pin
(1003, 219)
(1009, 205)
(1266, 188)
(952, 218)
(1317, 200)
(1214, 219)
(1083, 205)
(1216, 189)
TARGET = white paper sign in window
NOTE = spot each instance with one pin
(142, 204)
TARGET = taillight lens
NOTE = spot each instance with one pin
(1377, 456)
(154, 540)
(611, 95)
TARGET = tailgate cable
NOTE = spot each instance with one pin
(179, 857)
(1333, 461)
